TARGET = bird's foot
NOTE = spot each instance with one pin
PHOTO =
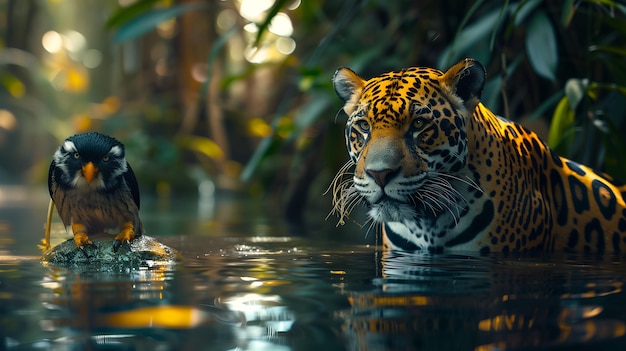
(82, 242)
(125, 236)
(81, 239)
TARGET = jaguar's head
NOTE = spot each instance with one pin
(406, 135)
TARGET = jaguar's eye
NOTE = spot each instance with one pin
(76, 155)
(419, 123)
(363, 125)
(105, 158)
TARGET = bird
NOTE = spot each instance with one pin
(94, 189)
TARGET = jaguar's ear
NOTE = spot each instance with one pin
(466, 80)
(348, 86)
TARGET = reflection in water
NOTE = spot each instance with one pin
(264, 317)
(246, 297)
(486, 303)
(164, 316)
(243, 286)
(140, 308)
(88, 297)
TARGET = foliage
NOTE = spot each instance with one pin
(574, 51)
(277, 120)
(574, 54)
(325, 35)
(571, 61)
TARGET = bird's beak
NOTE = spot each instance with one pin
(89, 172)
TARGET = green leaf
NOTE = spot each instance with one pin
(560, 127)
(524, 9)
(503, 10)
(541, 46)
(492, 92)
(609, 49)
(567, 13)
(615, 150)
(215, 50)
(545, 105)
(124, 14)
(467, 39)
(595, 87)
(146, 22)
(611, 3)
(469, 15)
(263, 150)
(310, 112)
(307, 115)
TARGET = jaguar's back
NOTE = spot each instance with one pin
(440, 171)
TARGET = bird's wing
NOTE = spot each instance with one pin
(50, 176)
(58, 197)
(131, 181)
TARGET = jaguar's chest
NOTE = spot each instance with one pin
(464, 229)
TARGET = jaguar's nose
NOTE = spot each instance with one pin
(382, 176)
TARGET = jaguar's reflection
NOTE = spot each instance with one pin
(441, 302)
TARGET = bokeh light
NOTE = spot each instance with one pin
(281, 25)
(167, 29)
(286, 46)
(226, 19)
(7, 120)
(251, 28)
(52, 42)
(254, 10)
(92, 58)
(294, 5)
(111, 104)
(277, 43)
(256, 55)
(199, 72)
(74, 41)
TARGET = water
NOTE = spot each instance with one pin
(247, 283)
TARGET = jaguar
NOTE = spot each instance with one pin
(440, 172)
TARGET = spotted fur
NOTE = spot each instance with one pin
(441, 172)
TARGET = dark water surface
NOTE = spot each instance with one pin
(247, 283)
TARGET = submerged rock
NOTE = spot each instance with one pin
(142, 252)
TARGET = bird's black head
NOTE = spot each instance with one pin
(90, 160)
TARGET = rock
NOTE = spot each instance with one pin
(143, 252)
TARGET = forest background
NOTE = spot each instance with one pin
(239, 93)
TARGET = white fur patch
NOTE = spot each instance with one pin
(391, 212)
(69, 146)
(121, 167)
(116, 151)
(409, 230)
(402, 230)
(59, 159)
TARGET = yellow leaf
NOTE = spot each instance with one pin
(77, 80)
(562, 120)
(259, 128)
(203, 145)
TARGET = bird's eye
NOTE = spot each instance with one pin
(76, 155)
(419, 123)
(105, 158)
